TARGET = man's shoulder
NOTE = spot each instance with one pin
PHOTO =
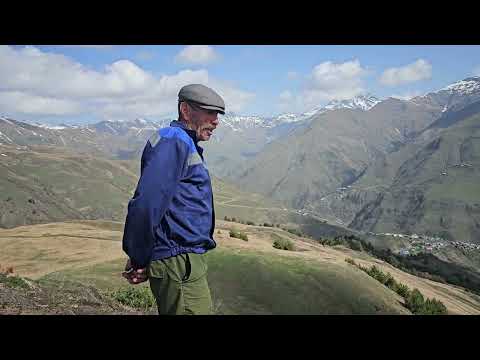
(173, 134)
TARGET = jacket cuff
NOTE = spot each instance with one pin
(135, 265)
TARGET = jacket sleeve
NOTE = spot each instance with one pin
(161, 172)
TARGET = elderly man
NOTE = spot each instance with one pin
(171, 218)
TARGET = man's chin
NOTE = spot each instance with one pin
(204, 137)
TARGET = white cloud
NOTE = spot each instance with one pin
(327, 81)
(36, 82)
(235, 99)
(11, 101)
(30, 69)
(197, 55)
(416, 71)
(339, 81)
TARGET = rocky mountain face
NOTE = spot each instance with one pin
(235, 141)
(238, 139)
(399, 166)
(434, 185)
(333, 151)
(454, 96)
(428, 185)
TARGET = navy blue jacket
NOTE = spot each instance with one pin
(172, 209)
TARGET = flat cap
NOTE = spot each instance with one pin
(202, 96)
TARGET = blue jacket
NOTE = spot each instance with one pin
(172, 209)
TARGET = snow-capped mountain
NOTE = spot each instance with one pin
(229, 121)
(125, 127)
(362, 102)
(53, 127)
(454, 96)
(291, 118)
(239, 123)
(464, 87)
(451, 97)
(287, 118)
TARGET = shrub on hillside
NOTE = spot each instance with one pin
(13, 281)
(136, 297)
(390, 282)
(350, 261)
(283, 244)
(403, 290)
(250, 223)
(415, 301)
(238, 234)
(433, 307)
(294, 232)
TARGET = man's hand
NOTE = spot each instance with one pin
(134, 276)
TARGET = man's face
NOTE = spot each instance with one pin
(202, 121)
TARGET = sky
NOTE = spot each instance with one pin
(78, 84)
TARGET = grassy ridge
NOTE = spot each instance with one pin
(246, 277)
(250, 283)
(41, 187)
(48, 184)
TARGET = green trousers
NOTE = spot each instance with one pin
(179, 285)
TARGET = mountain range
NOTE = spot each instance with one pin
(366, 163)
(381, 169)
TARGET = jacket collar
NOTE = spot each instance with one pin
(191, 133)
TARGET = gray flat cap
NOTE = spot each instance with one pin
(202, 96)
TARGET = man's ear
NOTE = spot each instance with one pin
(185, 110)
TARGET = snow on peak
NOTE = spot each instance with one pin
(6, 120)
(239, 122)
(51, 127)
(362, 102)
(466, 86)
(287, 118)
(315, 110)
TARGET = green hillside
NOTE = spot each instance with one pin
(246, 277)
(47, 184)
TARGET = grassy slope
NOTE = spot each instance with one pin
(50, 184)
(39, 186)
(245, 277)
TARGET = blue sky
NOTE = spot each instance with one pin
(79, 84)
